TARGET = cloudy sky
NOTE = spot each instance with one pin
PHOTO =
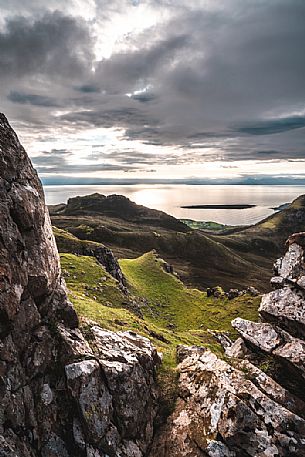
(156, 89)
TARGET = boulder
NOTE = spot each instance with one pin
(251, 403)
(219, 409)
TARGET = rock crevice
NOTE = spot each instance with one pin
(251, 403)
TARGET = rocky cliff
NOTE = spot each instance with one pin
(64, 395)
(60, 395)
(251, 401)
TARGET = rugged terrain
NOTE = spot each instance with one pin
(60, 395)
(199, 260)
(250, 403)
(70, 386)
(238, 257)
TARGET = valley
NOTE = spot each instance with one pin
(234, 257)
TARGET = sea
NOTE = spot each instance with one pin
(170, 198)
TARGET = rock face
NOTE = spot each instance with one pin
(59, 395)
(66, 242)
(251, 404)
(106, 258)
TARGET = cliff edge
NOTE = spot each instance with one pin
(60, 395)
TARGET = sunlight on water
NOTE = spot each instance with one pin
(170, 198)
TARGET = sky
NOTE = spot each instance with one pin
(156, 89)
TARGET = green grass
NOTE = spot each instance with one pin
(170, 303)
(205, 225)
(96, 297)
(67, 242)
(86, 278)
(173, 313)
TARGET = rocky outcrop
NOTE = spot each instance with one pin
(106, 258)
(66, 242)
(251, 403)
(60, 395)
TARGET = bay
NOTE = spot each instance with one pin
(170, 198)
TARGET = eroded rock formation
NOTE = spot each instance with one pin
(252, 402)
(63, 395)
(60, 395)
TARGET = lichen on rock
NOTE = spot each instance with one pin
(60, 395)
(232, 407)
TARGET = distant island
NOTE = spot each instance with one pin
(217, 206)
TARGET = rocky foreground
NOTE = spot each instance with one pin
(60, 395)
(64, 395)
(251, 402)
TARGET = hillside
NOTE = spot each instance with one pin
(237, 257)
(118, 207)
(265, 239)
(199, 259)
(157, 305)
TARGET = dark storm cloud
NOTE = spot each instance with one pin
(32, 99)
(56, 161)
(56, 158)
(228, 77)
(87, 89)
(143, 97)
(273, 126)
(53, 45)
(70, 168)
(123, 72)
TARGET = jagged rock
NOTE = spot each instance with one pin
(252, 291)
(232, 293)
(217, 403)
(168, 268)
(106, 258)
(233, 408)
(185, 351)
(60, 395)
(222, 338)
(237, 350)
(272, 340)
(286, 308)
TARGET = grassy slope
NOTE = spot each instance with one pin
(209, 226)
(199, 260)
(170, 302)
(96, 296)
(235, 257)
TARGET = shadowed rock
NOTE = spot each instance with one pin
(60, 396)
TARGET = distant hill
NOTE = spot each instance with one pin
(237, 257)
(131, 230)
(118, 207)
(266, 238)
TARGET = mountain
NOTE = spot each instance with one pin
(118, 207)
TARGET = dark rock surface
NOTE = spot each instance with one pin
(60, 395)
(66, 242)
(252, 402)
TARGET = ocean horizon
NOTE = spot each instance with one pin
(170, 197)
